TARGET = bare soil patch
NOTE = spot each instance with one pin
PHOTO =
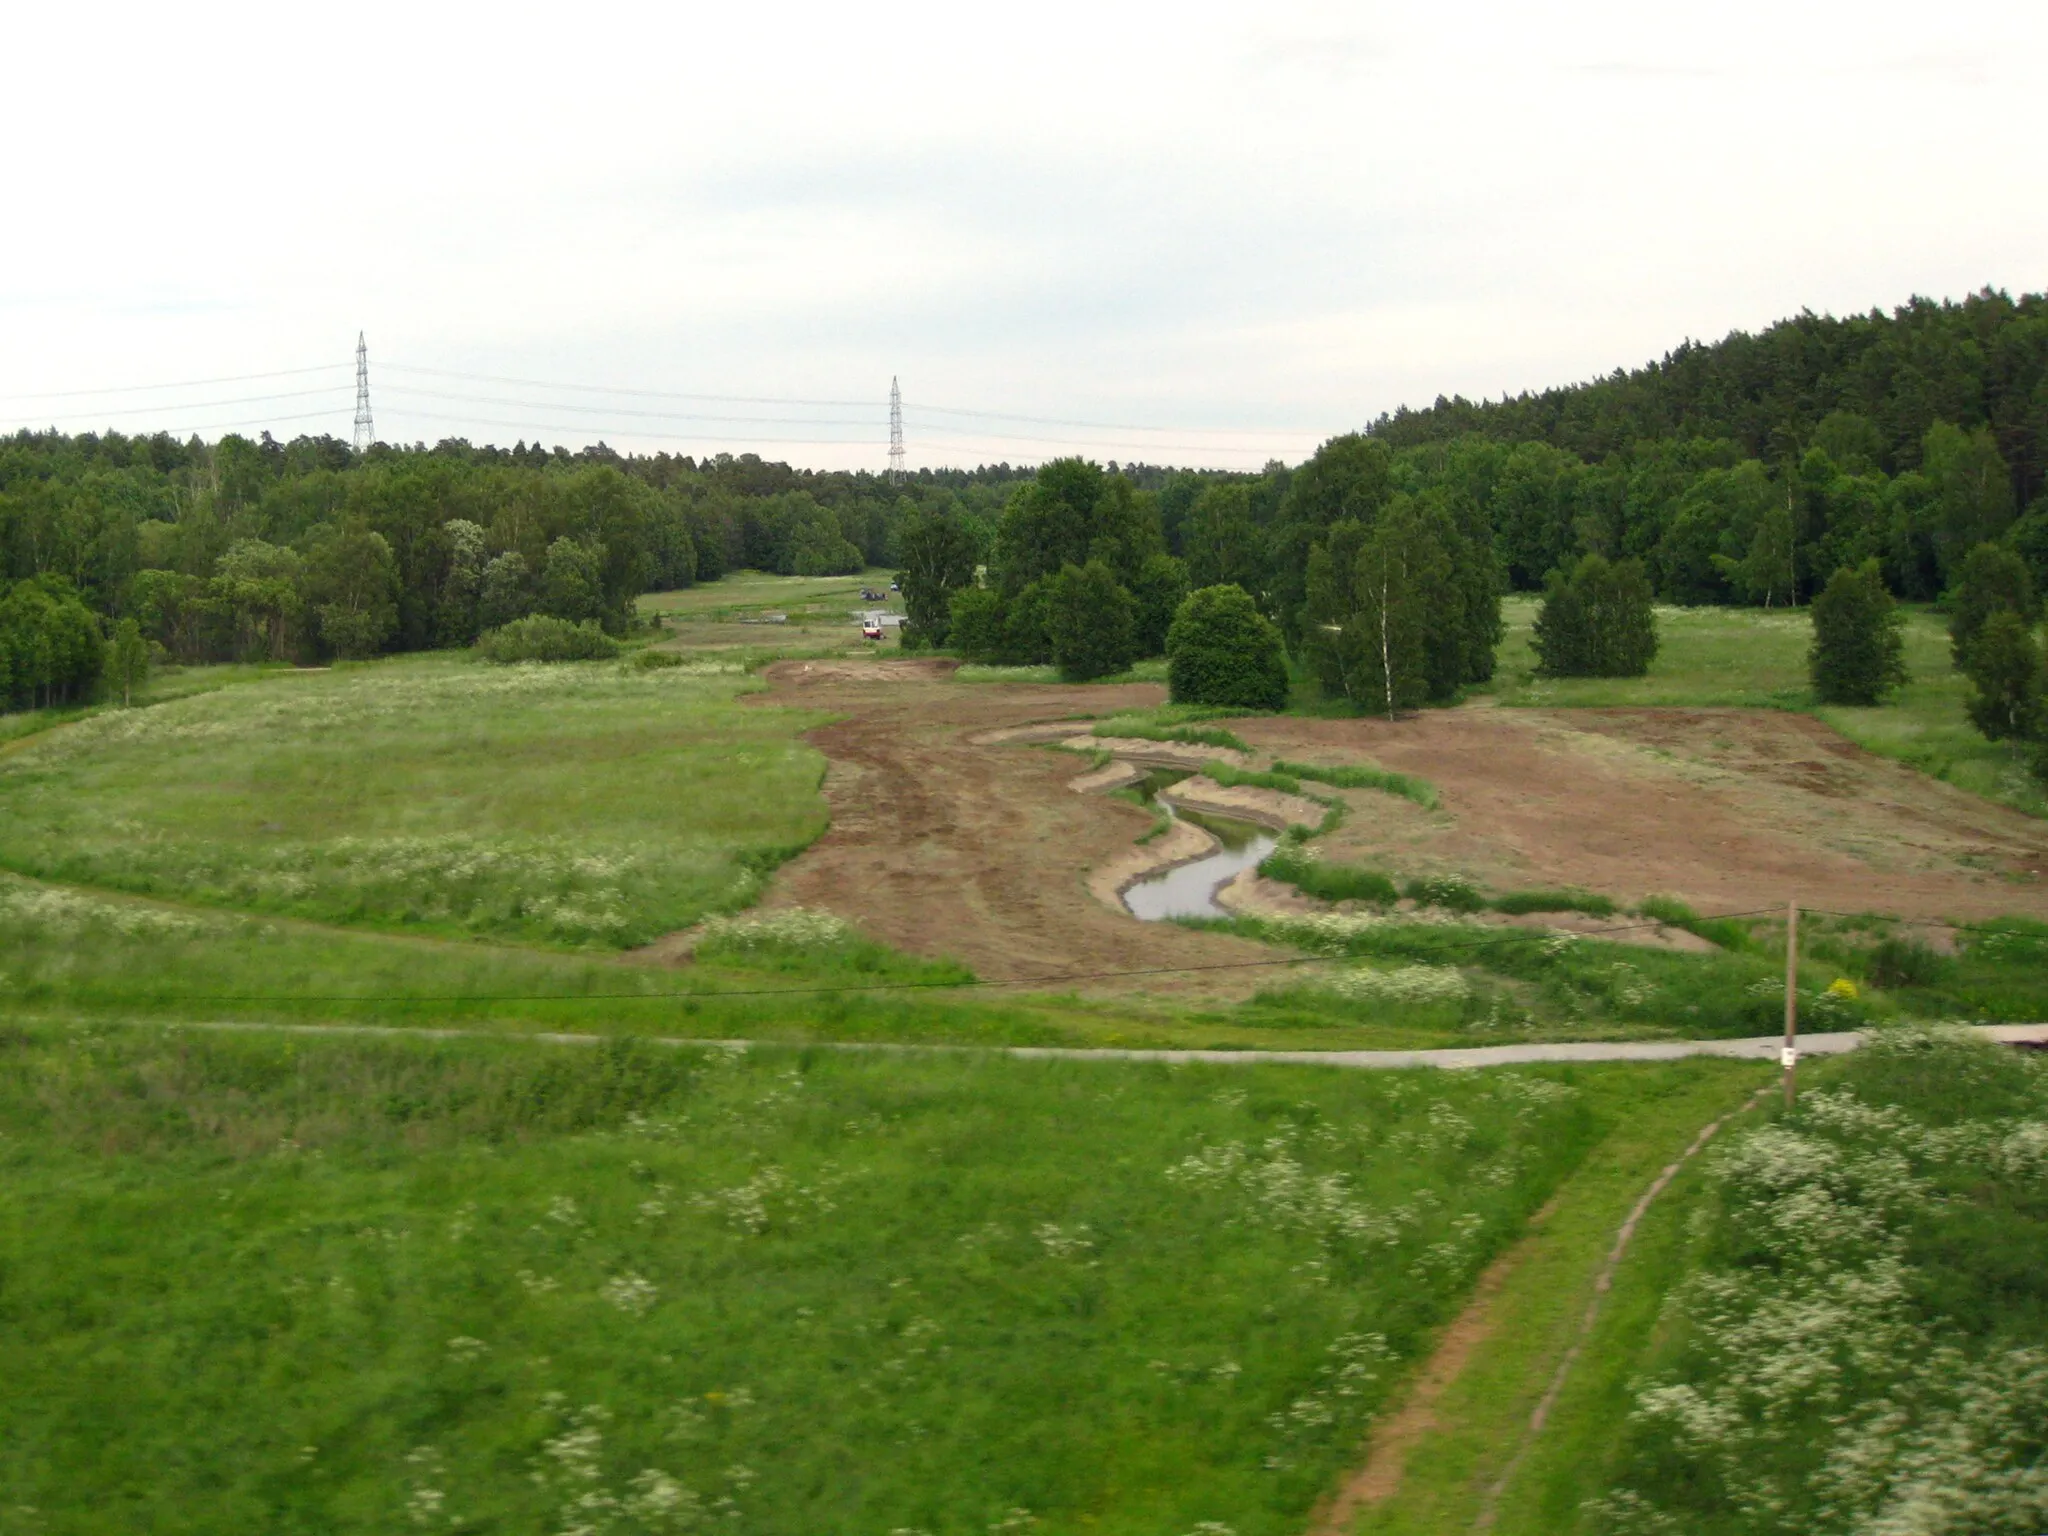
(1729, 810)
(944, 843)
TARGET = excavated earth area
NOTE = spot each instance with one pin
(940, 845)
(952, 836)
(1726, 809)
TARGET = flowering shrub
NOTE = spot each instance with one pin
(1857, 1354)
(1404, 984)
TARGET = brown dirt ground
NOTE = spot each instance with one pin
(947, 839)
(941, 846)
(1726, 809)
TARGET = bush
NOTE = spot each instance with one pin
(1352, 776)
(1858, 651)
(1221, 650)
(1089, 619)
(1597, 621)
(1993, 580)
(2004, 667)
(1516, 903)
(1897, 962)
(541, 638)
(974, 623)
(655, 661)
(1327, 882)
(1447, 891)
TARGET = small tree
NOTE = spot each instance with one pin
(1597, 620)
(1221, 650)
(974, 623)
(1161, 587)
(936, 557)
(127, 659)
(572, 582)
(2004, 668)
(1089, 620)
(1993, 579)
(1858, 653)
(506, 591)
(351, 583)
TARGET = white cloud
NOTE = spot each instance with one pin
(1277, 223)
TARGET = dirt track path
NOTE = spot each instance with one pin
(939, 846)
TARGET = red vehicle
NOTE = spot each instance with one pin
(871, 628)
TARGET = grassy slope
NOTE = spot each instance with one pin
(244, 1277)
(1719, 657)
(1483, 1416)
(589, 803)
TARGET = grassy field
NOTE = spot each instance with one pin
(732, 615)
(1861, 1341)
(586, 804)
(1746, 657)
(305, 1284)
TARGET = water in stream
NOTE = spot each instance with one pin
(1190, 890)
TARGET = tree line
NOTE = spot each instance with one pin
(260, 550)
(1757, 469)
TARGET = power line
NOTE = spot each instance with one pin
(172, 408)
(607, 389)
(614, 411)
(136, 389)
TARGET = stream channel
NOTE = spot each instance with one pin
(1189, 890)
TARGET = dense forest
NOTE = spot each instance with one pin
(1749, 470)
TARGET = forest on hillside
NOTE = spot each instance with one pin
(1745, 471)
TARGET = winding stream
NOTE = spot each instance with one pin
(1190, 889)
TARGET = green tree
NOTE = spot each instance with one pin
(1220, 650)
(505, 593)
(462, 586)
(1090, 622)
(1049, 523)
(127, 660)
(1972, 487)
(1768, 572)
(2005, 673)
(351, 584)
(1224, 544)
(1160, 588)
(50, 646)
(255, 590)
(936, 557)
(1992, 579)
(572, 582)
(975, 623)
(1858, 653)
(1597, 620)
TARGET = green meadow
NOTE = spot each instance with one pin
(599, 805)
(272, 1284)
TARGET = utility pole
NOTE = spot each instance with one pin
(365, 433)
(895, 430)
(1790, 1055)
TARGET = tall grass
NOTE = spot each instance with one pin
(1355, 776)
(295, 1284)
(573, 805)
(1864, 1343)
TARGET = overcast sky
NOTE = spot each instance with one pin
(1240, 228)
